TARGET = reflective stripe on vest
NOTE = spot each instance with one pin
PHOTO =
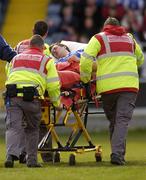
(88, 56)
(111, 43)
(27, 82)
(116, 54)
(107, 76)
(105, 40)
(36, 63)
(53, 79)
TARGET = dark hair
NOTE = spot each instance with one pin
(59, 44)
(36, 41)
(40, 28)
(112, 21)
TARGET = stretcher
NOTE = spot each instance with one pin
(74, 116)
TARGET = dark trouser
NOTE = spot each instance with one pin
(15, 137)
(30, 114)
(119, 108)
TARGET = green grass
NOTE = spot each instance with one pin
(86, 168)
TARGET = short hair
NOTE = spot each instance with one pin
(112, 21)
(40, 28)
(36, 41)
(59, 44)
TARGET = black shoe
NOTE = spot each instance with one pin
(37, 165)
(117, 160)
(9, 163)
(22, 158)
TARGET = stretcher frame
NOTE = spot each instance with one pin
(51, 119)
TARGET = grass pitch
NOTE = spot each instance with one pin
(86, 168)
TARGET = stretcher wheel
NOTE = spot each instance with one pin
(98, 154)
(72, 160)
(57, 157)
(98, 157)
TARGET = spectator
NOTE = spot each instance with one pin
(68, 19)
(53, 19)
(143, 27)
(113, 9)
(132, 21)
(134, 4)
(89, 28)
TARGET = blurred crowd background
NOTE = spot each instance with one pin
(78, 20)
